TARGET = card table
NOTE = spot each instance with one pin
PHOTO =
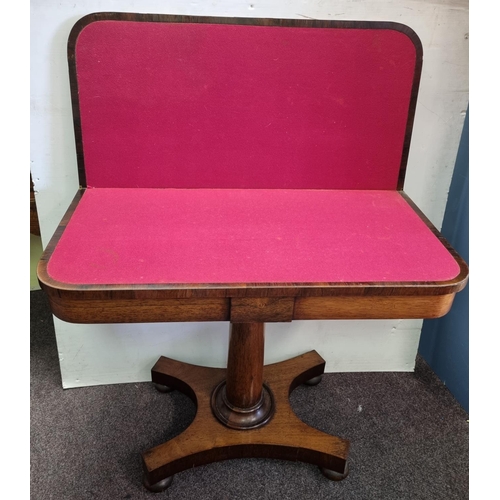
(248, 171)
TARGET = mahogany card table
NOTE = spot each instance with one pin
(248, 171)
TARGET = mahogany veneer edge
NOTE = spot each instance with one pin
(220, 309)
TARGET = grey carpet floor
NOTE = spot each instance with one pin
(409, 437)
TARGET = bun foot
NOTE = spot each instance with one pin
(333, 475)
(163, 388)
(314, 380)
(159, 486)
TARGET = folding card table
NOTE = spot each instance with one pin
(249, 171)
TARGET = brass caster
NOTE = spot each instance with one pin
(159, 486)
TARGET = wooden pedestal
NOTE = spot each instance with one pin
(278, 434)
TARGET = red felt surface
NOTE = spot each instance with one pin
(141, 236)
(223, 106)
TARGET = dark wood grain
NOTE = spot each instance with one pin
(34, 222)
(268, 309)
(390, 307)
(245, 364)
(207, 440)
(107, 310)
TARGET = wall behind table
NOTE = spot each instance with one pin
(444, 342)
(102, 354)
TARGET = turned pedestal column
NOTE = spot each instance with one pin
(242, 401)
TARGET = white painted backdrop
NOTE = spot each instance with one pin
(104, 354)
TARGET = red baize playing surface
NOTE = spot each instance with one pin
(141, 236)
(222, 106)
